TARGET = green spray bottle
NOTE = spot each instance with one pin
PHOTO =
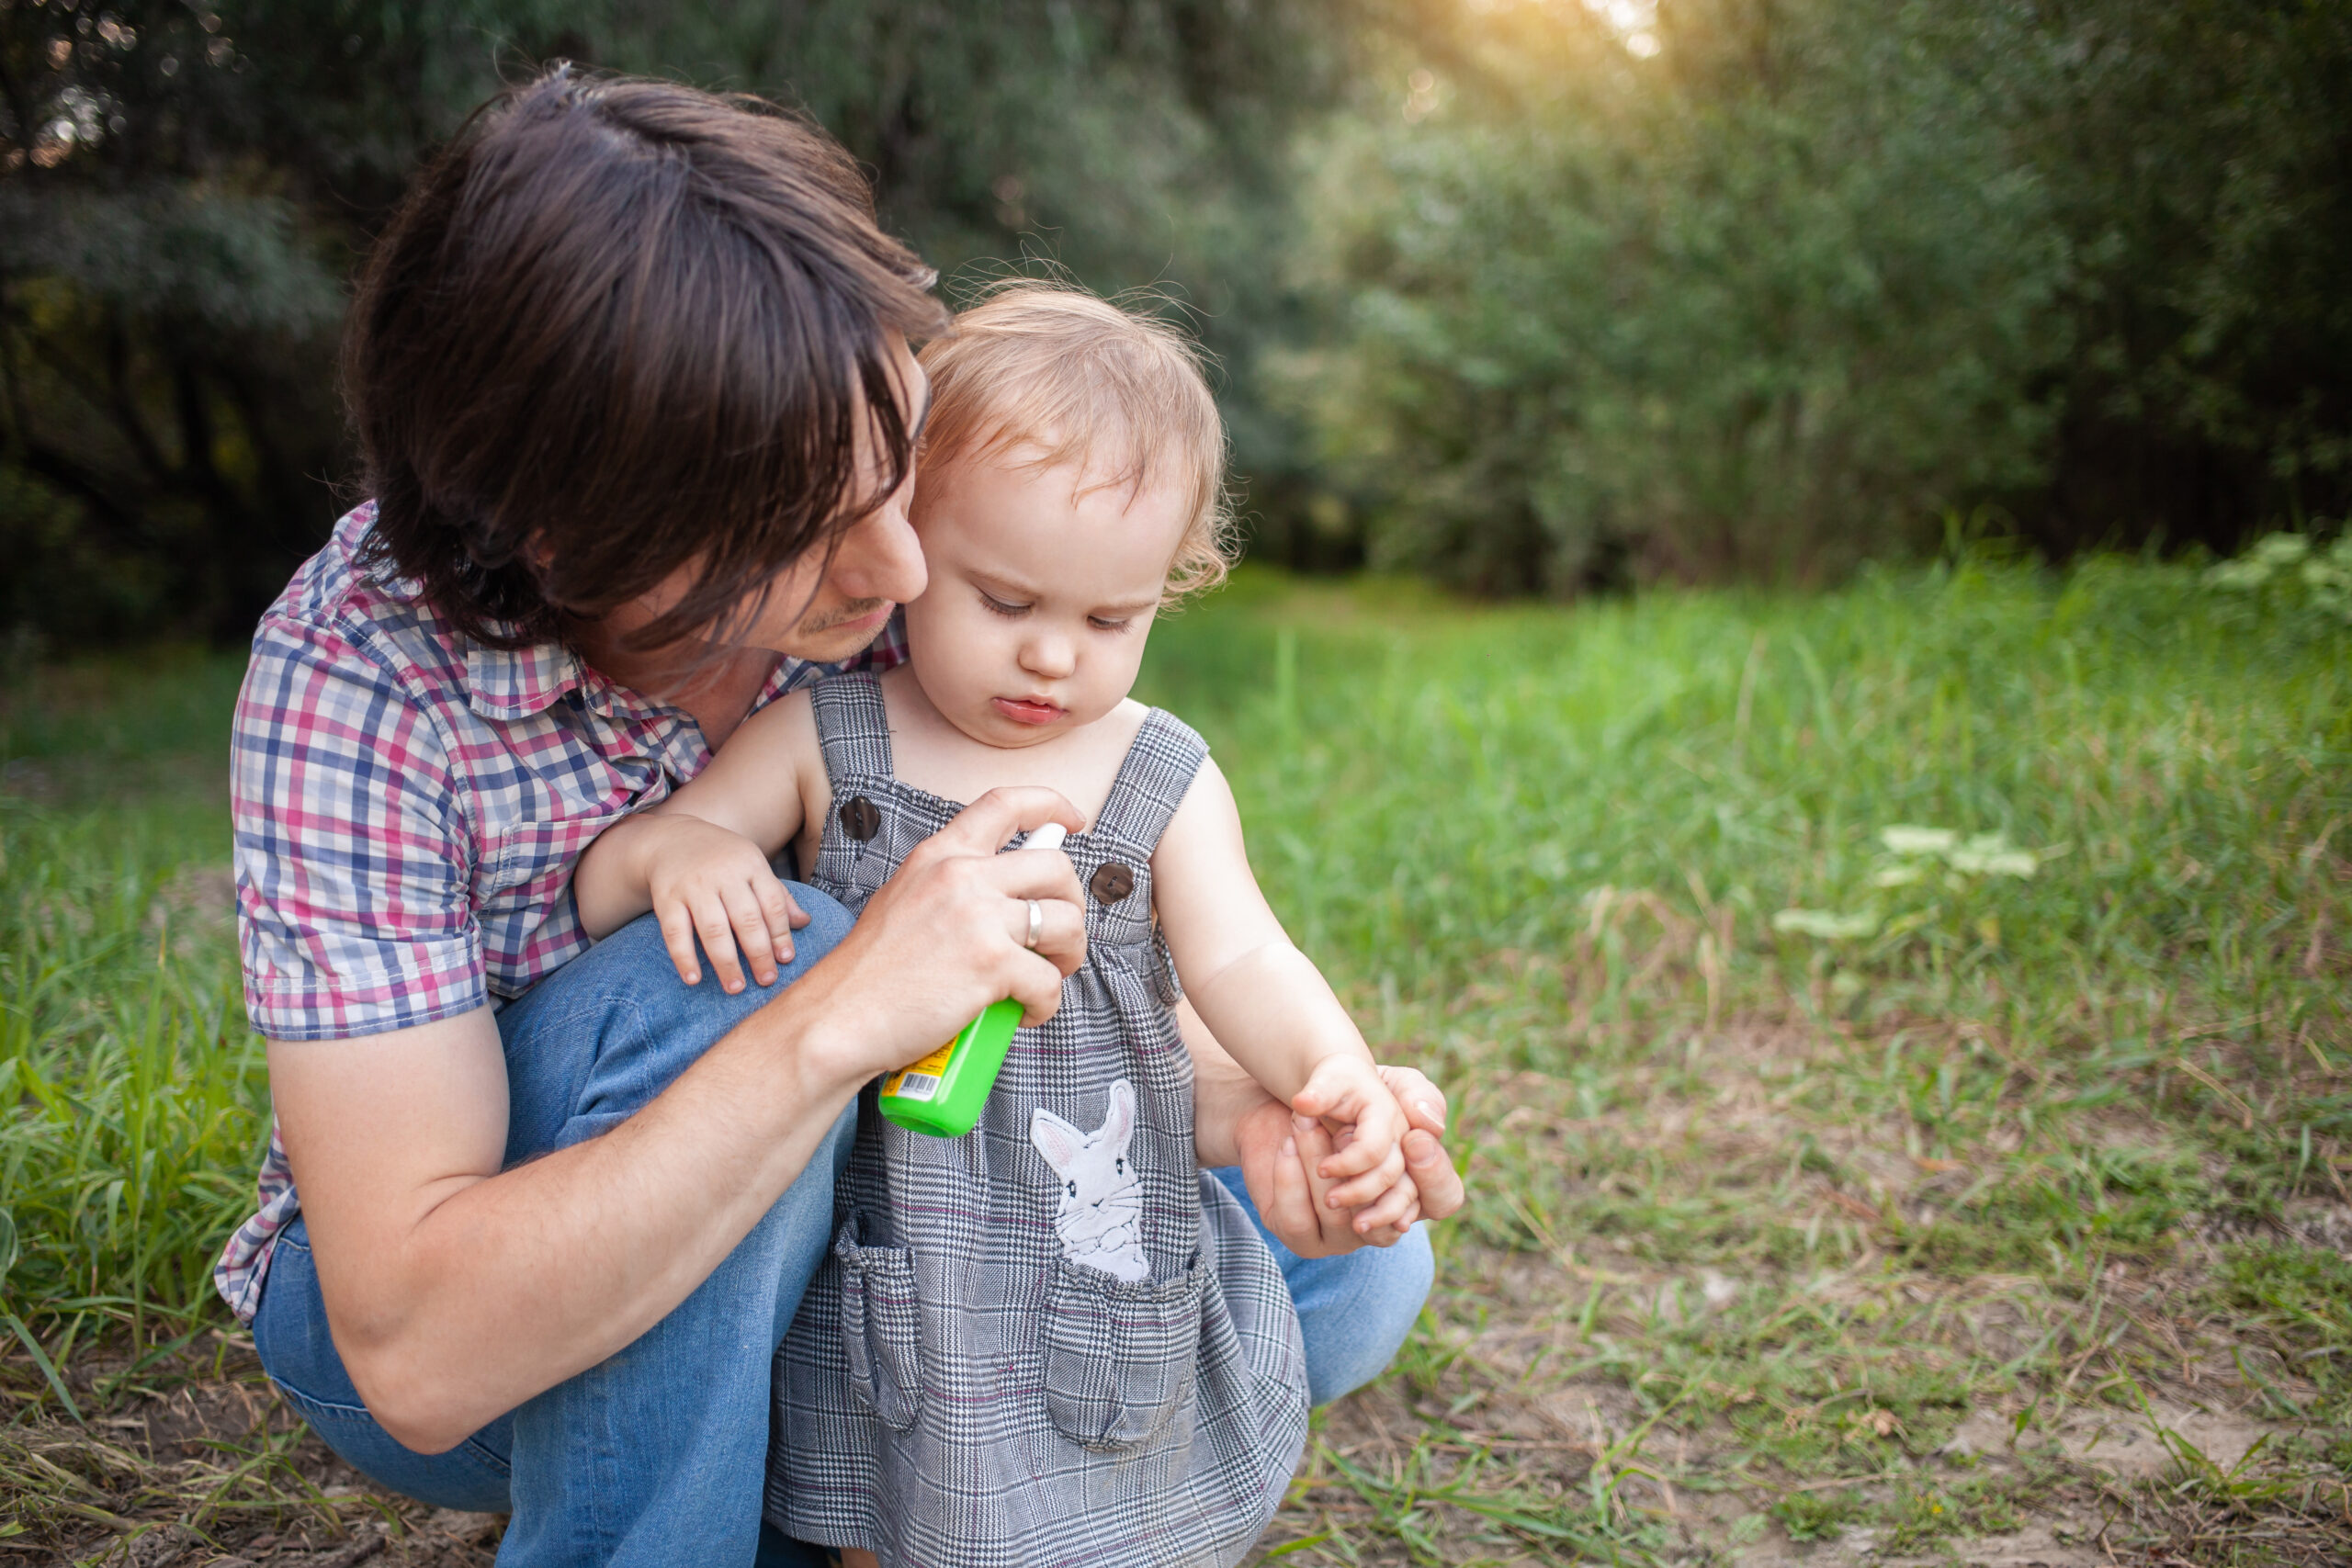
(942, 1093)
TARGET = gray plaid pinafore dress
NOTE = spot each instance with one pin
(1054, 1341)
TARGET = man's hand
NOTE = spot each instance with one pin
(948, 935)
(1278, 1154)
(1437, 1184)
(1236, 1121)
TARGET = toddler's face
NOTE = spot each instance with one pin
(1040, 596)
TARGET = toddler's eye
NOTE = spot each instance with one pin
(1000, 606)
(1102, 624)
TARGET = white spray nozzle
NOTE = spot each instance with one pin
(1048, 837)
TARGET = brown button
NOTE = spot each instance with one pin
(1112, 881)
(861, 819)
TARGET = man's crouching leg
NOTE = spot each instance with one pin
(656, 1455)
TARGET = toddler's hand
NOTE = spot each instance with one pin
(1347, 1094)
(1430, 1188)
(705, 880)
(1390, 1215)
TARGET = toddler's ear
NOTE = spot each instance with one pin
(1056, 1139)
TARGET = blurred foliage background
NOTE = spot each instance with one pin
(1533, 296)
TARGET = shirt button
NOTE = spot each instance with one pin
(1111, 883)
(861, 819)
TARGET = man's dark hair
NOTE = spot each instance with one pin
(619, 327)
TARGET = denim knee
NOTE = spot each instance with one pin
(594, 1042)
(1354, 1311)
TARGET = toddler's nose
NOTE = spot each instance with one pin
(1049, 658)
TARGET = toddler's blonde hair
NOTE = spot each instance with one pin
(1121, 395)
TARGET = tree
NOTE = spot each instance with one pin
(182, 191)
(1756, 288)
(185, 186)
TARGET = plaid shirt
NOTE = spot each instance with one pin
(409, 805)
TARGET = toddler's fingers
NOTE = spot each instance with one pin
(780, 912)
(678, 936)
(1330, 1091)
(1389, 1235)
(718, 943)
(1391, 1211)
(1385, 1172)
(1357, 1149)
(751, 923)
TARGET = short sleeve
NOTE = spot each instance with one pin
(354, 861)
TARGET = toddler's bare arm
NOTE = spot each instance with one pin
(1265, 1001)
(699, 860)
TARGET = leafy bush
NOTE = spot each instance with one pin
(1731, 288)
(183, 189)
(2285, 570)
(1718, 320)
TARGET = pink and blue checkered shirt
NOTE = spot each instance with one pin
(408, 805)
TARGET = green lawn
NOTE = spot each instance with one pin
(1898, 1036)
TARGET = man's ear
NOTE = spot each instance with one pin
(1056, 1139)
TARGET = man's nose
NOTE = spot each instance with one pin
(878, 557)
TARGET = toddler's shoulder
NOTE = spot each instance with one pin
(784, 728)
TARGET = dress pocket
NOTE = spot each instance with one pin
(881, 1327)
(1119, 1356)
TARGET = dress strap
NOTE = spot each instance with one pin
(853, 727)
(1158, 770)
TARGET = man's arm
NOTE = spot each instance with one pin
(456, 1293)
(456, 1290)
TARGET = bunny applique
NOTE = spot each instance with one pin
(1100, 1212)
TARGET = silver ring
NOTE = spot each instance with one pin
(1036, 924)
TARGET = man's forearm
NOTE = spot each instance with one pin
(1224, 1094)
(488, 1289)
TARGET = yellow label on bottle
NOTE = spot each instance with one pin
(931, 1068)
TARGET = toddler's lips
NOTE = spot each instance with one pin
(1027, 710)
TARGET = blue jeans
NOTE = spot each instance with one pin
(656, 1455)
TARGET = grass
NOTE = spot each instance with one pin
(1898, 1036)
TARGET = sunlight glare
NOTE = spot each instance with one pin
(1634, 21)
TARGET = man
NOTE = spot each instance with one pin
(631, 371)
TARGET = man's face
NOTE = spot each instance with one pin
(827, 610)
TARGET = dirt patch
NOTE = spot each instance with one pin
(207, 1468)
(2129, 1444)
(2039, 1547)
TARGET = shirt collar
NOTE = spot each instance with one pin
(511, 684)
(501, 682)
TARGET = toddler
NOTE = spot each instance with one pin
(1053, 1340)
